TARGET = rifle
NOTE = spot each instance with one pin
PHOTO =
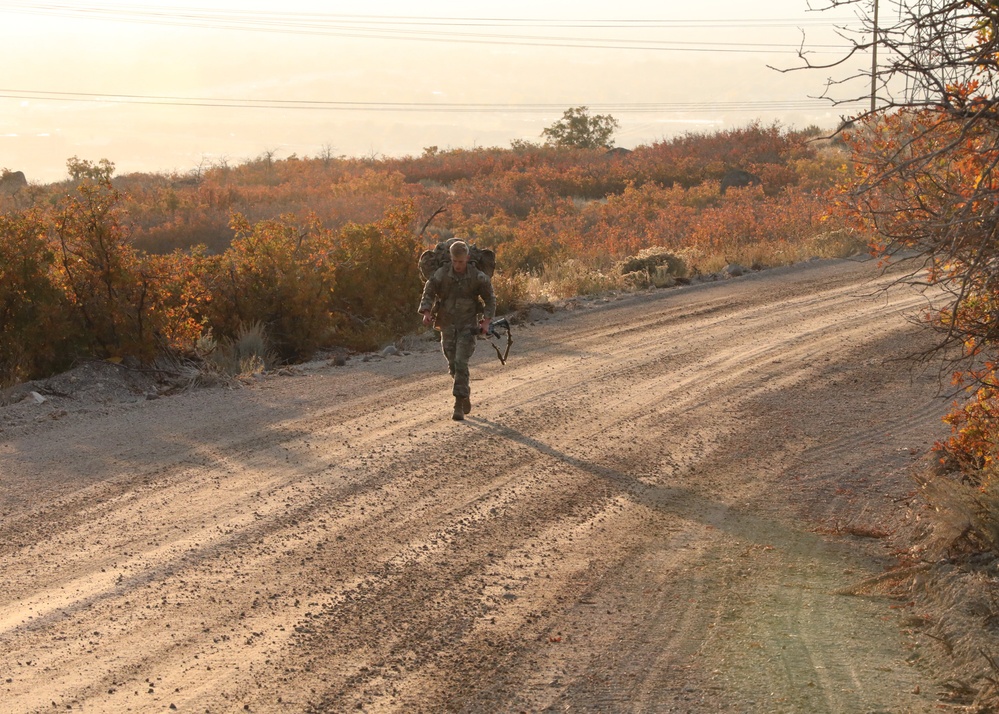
(501, 323)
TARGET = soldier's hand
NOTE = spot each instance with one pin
(427, 319)
(484, 326)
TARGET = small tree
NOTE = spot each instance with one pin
(111, 294)
(377, 278)
(327, 153)
(81, 169)
(926, 184)
(578, 130)
(37, 336)
(279, 275)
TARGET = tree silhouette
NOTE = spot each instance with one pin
(577, 129)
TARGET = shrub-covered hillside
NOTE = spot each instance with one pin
(314, 252)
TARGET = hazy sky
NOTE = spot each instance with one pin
(167, 86)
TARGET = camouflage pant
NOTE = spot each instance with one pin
(458, 344)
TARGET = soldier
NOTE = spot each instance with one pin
(465, 305)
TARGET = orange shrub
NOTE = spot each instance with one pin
(36, 333)
(103, 277)
(378, 283)
(277, 274)
(974, 440)
(315, 252)
(182, 296)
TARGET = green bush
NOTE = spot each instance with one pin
(652, 267)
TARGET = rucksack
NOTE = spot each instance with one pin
(440, 255)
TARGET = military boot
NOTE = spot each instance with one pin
(466, 405)
(459, 414)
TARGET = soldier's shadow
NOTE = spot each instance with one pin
(680, 501)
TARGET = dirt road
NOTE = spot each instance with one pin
(648, 510)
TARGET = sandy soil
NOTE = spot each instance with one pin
(649, 509)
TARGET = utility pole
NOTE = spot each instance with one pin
(874, 58)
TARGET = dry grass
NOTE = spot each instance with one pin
(964, 518)
(513, 292)
(953, 582)
(840, 243)
(244, 357)
(571, 278)
(662, 268)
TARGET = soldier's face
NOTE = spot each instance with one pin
(459, 263)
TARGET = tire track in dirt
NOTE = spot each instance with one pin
(316, 543)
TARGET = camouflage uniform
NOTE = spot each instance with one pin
(460, 300)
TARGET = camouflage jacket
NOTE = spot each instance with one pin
(458, 299)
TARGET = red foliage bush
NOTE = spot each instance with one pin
(36, 333)
(318, 252)
(108, 287)
(277, 274)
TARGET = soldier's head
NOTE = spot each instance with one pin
(459, 256)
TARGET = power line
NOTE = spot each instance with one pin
(606, 44)
(428, 107)
(284, 17)
(402, 28)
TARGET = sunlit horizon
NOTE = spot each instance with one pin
(166, 87)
